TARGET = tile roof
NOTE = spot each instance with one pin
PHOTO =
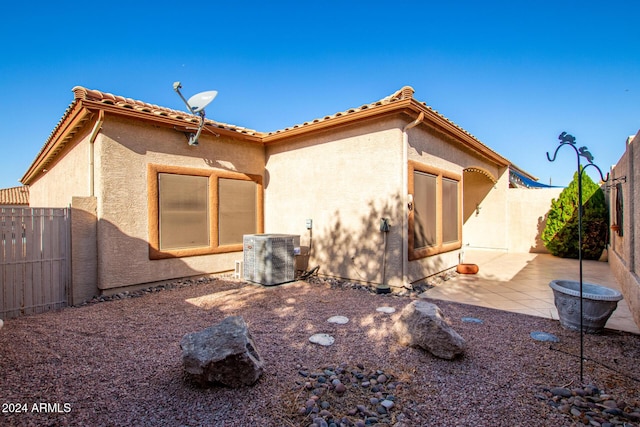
(89, 100)
(82, 93)
(402, 98)
(14, 196)
(406, 93)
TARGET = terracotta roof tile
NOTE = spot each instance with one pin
(107, 98)
(401, 97)
(14, 196)
(403, 94)
(82, 93)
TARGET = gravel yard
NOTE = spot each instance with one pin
(118, 363)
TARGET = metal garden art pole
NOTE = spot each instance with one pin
(570, 140)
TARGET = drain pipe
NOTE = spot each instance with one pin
(92, 139)
(405, 198)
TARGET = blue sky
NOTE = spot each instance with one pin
(513, 74)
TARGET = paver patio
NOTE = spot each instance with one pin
(519, 282)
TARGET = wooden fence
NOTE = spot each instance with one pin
(34, 260)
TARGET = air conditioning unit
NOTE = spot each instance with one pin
(269, 259)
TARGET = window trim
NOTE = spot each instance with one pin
(213, 248)
(439, 247)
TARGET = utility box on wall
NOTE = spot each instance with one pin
(269, 259)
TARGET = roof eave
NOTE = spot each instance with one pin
(439, 123)
(407, 106)
(340, 119)
(74, 118)
(177, 122)
(80, 111)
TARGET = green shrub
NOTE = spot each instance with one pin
(560, 235)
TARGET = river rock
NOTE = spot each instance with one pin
(224, 353)
(423, 325)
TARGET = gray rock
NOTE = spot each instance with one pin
(561, 391)
(388, 404)
(422, 324)
(224, 353)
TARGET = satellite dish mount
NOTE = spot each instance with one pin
(196, 105)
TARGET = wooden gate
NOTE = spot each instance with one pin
(34, 260)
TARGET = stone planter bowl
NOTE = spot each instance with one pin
(598, 303)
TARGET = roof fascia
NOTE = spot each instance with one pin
(406, 106)
(340, 120)
(81, 111)
(71, 122)
(441, 124)
(165, 120)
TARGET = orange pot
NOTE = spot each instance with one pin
(467, 268)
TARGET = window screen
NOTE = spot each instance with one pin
(424, 201)
(183, 211)
(237, 210)
(449, 210)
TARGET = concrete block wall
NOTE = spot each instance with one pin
(624, 250)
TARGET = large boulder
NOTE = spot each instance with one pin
(224, 353)
(422, 324)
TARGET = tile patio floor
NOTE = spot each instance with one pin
(519, 282)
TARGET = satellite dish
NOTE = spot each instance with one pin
(196, 105)
(199, 101)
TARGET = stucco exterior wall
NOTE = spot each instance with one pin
(527, 211)
(124, 148)
(65, 178)
(486, 212)
(345, 181)
(624, 251)
(428, 147)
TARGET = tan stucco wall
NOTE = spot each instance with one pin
(123, 150)
(624, 251)
(527, 212)
(345, 180)
(67, 177)
(430, 148)
(486, 229)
